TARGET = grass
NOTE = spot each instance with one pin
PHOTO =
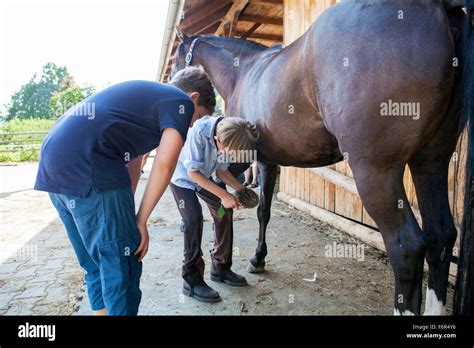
(23, 151)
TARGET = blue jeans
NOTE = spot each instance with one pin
(104, 234)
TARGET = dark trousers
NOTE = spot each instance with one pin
(191, 212)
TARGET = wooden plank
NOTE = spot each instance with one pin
(319, 182)
(202, 14)
(295, 181)
(346, 203)
(260, 19)
(348, 170)
(313, 193)
(459, 176)
(209, 30)
(207, 21)
(307, 187)
(229, 19)
(307, 6)
(299, 182)
(262, 36)
(336, 178)
(273, 2)
(316, 188)
(409, 187)
(329, 196)
(291, 180)
(340, 168)
(352, 207)
(293, 23)
(282, 180)
(287, 180)
(251, 30)
(367, 219)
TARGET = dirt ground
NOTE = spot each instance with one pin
(40, 275)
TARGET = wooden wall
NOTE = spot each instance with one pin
(337, 198)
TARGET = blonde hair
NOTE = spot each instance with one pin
(237, 134)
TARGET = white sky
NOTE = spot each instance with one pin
(101, 42)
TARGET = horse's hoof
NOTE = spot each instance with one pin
(260, 268)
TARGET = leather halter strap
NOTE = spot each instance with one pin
(189, 56)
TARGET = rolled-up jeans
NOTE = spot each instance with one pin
(103, 231)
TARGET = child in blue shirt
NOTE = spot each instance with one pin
(83, 165)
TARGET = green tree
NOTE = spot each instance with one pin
(61, 101)
(33, 98)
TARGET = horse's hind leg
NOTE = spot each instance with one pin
(383, 195)
(429, 168)
(431, 184)
(268, 174)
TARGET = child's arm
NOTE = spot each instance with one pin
(229, 179)
(228, 200)
(163, 168)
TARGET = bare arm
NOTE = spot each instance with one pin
(229, 179)
(163, 167)
(228, 200)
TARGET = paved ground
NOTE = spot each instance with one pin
(38, 270)
(40, 275)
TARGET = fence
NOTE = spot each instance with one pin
(20, 146)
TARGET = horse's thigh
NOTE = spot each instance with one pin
(383, 195)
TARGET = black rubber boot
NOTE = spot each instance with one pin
(201, 292)
(224, 274)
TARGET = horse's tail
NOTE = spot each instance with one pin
(464, 293)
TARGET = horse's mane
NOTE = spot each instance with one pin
(241, 44)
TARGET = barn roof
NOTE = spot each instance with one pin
(257, 20)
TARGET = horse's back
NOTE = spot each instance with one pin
(371, 54)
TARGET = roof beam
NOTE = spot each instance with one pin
(274, 2)
(260, 19)
(251, 30)
(229, 21)
(207, 21)
(201, 13)
(210, 29)
(261, 36)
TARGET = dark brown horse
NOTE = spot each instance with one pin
(382, 82)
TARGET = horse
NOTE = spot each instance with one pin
(380, 83)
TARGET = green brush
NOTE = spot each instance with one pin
(221, 212)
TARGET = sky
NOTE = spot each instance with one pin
(101, 42)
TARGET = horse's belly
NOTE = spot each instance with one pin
(308, 146)
(290, 137)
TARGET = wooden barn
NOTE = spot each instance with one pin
(327, 193)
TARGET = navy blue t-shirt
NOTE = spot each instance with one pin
(90, 145)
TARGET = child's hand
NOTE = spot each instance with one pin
(143, 246)
(229, 201)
